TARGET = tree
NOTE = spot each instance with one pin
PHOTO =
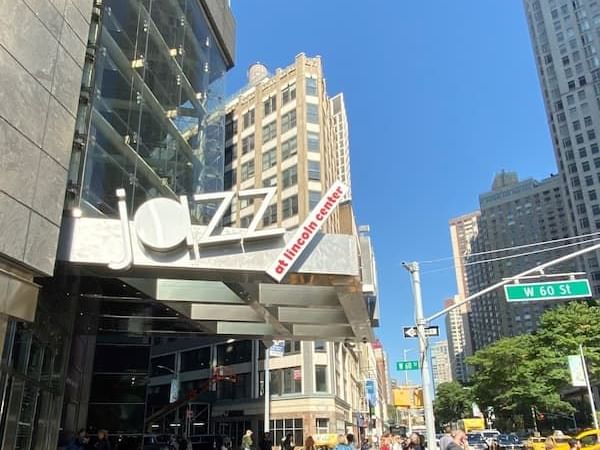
(516, 373)
(452, 402)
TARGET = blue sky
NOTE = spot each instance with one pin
(440, 95)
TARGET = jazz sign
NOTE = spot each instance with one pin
(163, 225)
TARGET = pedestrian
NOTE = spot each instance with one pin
(102, 443)
(351, 441)
(342, 443)
(397, 442)
(446, 438)
(79, 442)
(365, 445)
(415, 442)
(309, 443)
(246, 441)
(574, 444)
(287, 443)
(385, 442)
(173, 445)
(459, 441)
(267, 442)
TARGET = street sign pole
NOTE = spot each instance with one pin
(413, 269)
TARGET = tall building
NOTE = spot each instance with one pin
(280, 133)
(341, 139)
(440, 363)
(459, 340)
(463, 235)
(112, 136)
(514, 213)
(565, 41)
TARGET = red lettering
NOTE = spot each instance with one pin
(279, 269)
(319, 217)
(300, 241)
(281, 262)
(305, 235)
(296, 248)
(323, 211)
(339, 190)
(336, 195)
(313, 226)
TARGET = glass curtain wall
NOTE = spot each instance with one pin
(156, 122)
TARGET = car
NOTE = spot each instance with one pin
(561, 442)
(490, 437)
(477, 441)
(590, 439)
(509, 442)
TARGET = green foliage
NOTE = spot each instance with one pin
(452, 402)
(516, 373)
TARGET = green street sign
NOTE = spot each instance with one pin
(547, 291)
(407, 365)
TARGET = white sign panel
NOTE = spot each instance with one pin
(307, 231)
(577, 372)
(277, 349)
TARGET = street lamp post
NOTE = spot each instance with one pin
(405, 351)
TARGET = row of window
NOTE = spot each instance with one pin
(288, 94)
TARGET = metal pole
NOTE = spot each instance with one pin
(589, 387)
(267, 418)
(413, 269)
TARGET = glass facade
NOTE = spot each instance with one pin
(151, 120)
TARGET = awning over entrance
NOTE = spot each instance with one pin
(225, 289)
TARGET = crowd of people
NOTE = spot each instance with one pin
(83, 441)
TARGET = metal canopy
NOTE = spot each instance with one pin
(226, 290)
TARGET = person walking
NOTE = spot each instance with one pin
(342, 443)
(267, 442)
(446, 439)
(287, 443)
(247, 440)
(574, 444)
(386, 442)
(415, 442)
(79, 442)
(309, 444)
(102, 443)
(458, 442)
(351, 441)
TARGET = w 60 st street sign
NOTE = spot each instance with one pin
(547, 291)
(411, 332)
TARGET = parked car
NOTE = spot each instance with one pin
(490, 437)
(509, 442)
(590, 439)
(477, 441)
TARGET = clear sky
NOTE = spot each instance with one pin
(440, 95)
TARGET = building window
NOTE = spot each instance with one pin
(289, 177)
(289, 206)
(242, 388)
(269, 158)
(292, 347)
(270, 216)
(270, 105)
(159, 363)
(292, 380)
(592, 195)
(229, 179)
(288, 94)
(594, 148)
(248, 118)
(281, 427)
(322, 426)
(320, 378)
(576, 125)
(247, 144)
(289, 148)
(585, 166)
(197, 359)
(589, 180)
(579, 138)
(314, 170)
(313, 142)
(320, 346)
(313, 200)
(596, 210)
(230, 126)
(247, 170)
(288, 121)
(311, 86)
(269, 131)
(582, 152)
(588, 121)
(246, 221)
(591, 134)
(270, 182)
(234, 353)
(230, 153)
(312, 113)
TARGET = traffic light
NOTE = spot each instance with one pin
(418, 397)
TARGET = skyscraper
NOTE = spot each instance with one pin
(513, 213)
(565, 38)
(440, 363)
(463, 235)
(341, 140)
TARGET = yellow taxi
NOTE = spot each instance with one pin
(561, 442)
(590, 439)
(325, 440)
